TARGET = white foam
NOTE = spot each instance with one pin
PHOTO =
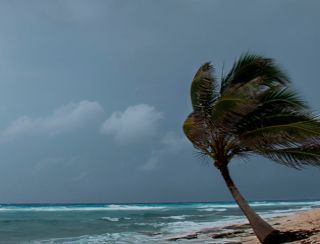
(213, 209)
(179, 217)
(190, 226)
(285, 203)
(216, 207)
(281, 213)
(156, 225)
(128, 237)
(292, 210)
(111, 207)
(51, 209)
(133, 207)
(111, 219)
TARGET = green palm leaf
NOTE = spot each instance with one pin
(195, 130)
(225, 104)
(203, 89)
(256, 69)
(307, 128)
(296, 157)
(273, 104)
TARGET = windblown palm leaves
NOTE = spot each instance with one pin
(255, 111)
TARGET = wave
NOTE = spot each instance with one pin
(179, 217)
(191, 226)
(111, 207)
(213, 209)
(111, 219)
(114, 219)
(225, 206)
(209, 207)
(50, 209)
(215, 206)
(283, 212)
(134, 207)
(127, 237)
(285, 203)
(292, 210)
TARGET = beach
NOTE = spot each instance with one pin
(305, 224)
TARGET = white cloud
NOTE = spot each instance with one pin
(66, 118)
(133, 124)
(170, 144)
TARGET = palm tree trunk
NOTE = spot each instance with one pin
(264, 232)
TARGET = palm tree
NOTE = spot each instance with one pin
(253, 111)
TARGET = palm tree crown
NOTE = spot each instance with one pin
(253, 112)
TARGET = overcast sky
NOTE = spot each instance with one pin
(93, 95)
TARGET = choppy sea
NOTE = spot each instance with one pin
(126, 223)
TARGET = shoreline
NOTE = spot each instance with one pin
(306, 223)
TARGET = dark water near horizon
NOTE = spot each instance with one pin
(126, 223)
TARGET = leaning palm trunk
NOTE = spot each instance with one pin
(264, 232)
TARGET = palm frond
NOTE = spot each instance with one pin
(241, 110)
(194, 127)
(251, 67)
(295, 157)
(203, 89)
(285, 96)
(295, 131)
(278, 124)
(225, 104)
(274, 103)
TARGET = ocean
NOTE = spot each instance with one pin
(126, 223)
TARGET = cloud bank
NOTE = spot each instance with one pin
(66, 118)
(134, 124)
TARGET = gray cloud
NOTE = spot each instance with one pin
(134, 124)
(50, 163)
(171, 143)
(66, 118)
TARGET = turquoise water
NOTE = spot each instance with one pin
(125, 223)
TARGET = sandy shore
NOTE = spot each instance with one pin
(307, 224)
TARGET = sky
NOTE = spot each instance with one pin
(93, 95)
